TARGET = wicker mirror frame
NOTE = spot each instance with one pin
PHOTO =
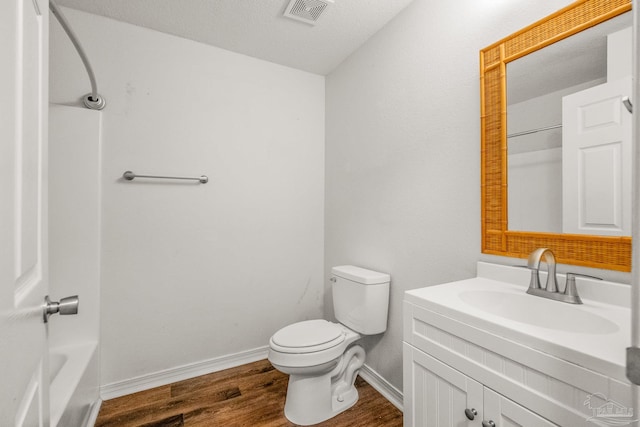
(613, 253)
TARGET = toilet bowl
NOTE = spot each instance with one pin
(322, 366)
(322, 358)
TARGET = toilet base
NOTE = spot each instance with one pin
(305, 408)
(314, 399)
(345, 401)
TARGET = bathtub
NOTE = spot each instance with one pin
(73, 374)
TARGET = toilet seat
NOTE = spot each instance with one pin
(309, 336)
(310, 345)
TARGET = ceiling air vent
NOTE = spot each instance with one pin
(306, 10)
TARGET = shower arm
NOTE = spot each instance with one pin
(91, 100)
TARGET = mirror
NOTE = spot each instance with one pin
(543, 191)
(535, 162)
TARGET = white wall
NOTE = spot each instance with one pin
(403, 151)
(535, 190)
(74, 221)
(619, 62)
(192, 272)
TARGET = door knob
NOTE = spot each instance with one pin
(470, 413)
(65, 306)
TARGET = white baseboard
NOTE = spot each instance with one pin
(92, 416)
(384, 387)
(180, 373)
(192, 370)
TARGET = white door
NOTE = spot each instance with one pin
(437, 395)
(24, 398)
(596, 160)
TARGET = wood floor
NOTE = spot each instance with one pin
(249, 395)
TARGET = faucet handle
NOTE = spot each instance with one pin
(570, 288)
(574, 275)
(534, 283)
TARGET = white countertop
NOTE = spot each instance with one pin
(595, 336)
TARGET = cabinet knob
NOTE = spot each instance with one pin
(470, 413)
(488, 424)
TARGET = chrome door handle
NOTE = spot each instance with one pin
(627, 104)
(65, 306)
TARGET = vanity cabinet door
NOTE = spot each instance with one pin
(506, 413)
(437, 395)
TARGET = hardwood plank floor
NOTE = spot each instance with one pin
(249, 395)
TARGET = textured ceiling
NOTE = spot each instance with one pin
(257, 27)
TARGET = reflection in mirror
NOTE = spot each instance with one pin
(569, 135)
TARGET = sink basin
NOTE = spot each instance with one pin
(539, 312)
(495, 305)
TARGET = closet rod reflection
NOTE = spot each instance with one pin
(129, 176)
(528, 132)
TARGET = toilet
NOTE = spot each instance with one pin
(322, 358)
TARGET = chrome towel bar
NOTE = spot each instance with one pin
(129, 176)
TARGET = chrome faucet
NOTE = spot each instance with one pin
(534, 265)
(551, 290)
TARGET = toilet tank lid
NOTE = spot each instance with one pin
(360, 275)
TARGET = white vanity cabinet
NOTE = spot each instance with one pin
(437, 395)
(457, 357)
(440, 396)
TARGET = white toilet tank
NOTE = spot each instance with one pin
(361, 298)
